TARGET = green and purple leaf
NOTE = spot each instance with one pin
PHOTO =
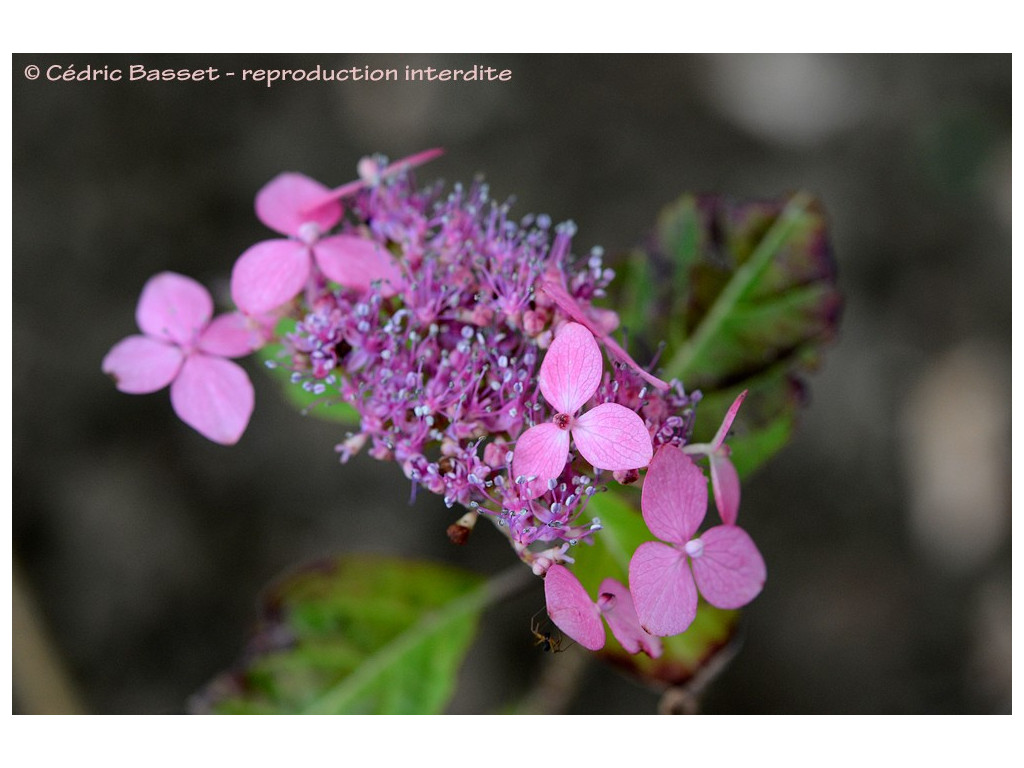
(366, 635)
(745, 295)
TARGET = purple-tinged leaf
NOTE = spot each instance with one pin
(357, 635)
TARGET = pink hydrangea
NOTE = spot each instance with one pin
(579, 617)
(722, 563)
(182, 346)
(609, 436)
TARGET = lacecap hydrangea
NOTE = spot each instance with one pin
(473, 350)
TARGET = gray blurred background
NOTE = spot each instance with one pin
(140, 548)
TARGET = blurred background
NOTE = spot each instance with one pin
(140, 549)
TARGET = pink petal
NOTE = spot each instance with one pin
(613, 437)
(616, 605)
(571, 370)
(140, 364)
(269, 274)
(730, 416)
(350, 188)
(674, 499)
(726, 485)
(663, 591)
(730, 572)
(174, 307)
(540, 452)
(571, 609)
(213, 396)
(356, 262)
(284, 204)
(231, 335)
(565, 301)
(412, 161)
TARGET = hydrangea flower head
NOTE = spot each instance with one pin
(183, 347)
(609, 436)
(470, 346)
(579, 617)
(722, 563)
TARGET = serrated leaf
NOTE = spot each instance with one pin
(321, 406)
(623, 530)
(748, 302)
(356, 635)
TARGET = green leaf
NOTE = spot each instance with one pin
(623, 530)
(364, 635)
(745, 297)
(322, 406)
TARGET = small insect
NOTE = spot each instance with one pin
(550, 642)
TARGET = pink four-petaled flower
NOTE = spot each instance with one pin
(609, 436)
(726, 565)
(579, 617)
(272, 272)
(183, 347)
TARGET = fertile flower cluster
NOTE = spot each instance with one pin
(470, 347)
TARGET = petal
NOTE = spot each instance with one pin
(663, 591)
(140, 364)
(174, 307)
(540, 452)
(356, 262)
(571, 369)
(268, 275)
(351, 187)
(730, 572)
(726, 485)
(412, 161)
(600, 327)
(231, 335)
(616, 605)
(213, 396)
(675, 496)
(613, 437)
(284, 204)
(571, 609)
(730, 416)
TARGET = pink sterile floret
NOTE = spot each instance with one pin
(573, 612)
(726, 565)
(272, 272)
(609, 436)
(183, 347)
